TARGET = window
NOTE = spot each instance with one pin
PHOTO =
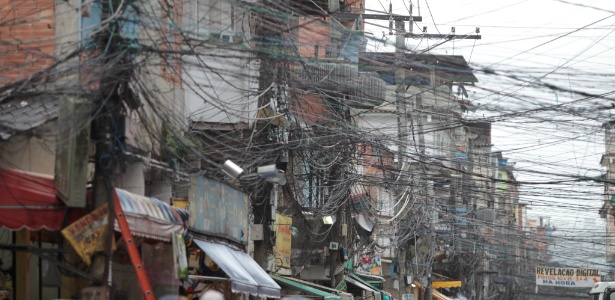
(501, 203)
(171, 15)
(217, 19)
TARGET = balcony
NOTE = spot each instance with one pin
(341, 81)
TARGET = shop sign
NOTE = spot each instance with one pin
(369, 264)
(567, 277)
(218, 209)
(282, 249)
(87, 235)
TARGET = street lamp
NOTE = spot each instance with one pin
(276, 176)
(231, 169)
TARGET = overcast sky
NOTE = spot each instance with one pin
(567, 44)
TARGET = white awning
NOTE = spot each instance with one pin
(245, 274)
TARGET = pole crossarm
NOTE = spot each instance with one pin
(352, 16)
(443, 36)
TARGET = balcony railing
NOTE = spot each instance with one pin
(343, 81)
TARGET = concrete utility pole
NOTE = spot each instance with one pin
(402, 110)
(402, 137)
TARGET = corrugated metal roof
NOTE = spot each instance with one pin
(22, 115)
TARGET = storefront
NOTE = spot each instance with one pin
(217, 257)
(31, 217)
(152, 223)
(443, 285)
(243, 273)
(47, 264)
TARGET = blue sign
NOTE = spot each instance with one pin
(218, 209)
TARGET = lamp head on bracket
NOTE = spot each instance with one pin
(231, 169)
(272, 174)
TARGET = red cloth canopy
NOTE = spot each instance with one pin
(28, 200)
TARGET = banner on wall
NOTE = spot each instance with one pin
(567, 277)
(369, 264)
(218, 209)
(87, 235)
(282, 248)
(180, 256)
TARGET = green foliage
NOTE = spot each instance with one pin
(177, 144)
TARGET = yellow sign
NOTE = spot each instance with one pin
(180, 203)
(445, 284)
(282, 249)
(87, 234)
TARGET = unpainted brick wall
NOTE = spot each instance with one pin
(27, 32)
(309, 107)
(170, 65)
(312, 32)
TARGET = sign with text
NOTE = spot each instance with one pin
(87, 234)
(567, 277)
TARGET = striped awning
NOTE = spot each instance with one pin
(151, 218)
(28, 201)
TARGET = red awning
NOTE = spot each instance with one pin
(28, 200)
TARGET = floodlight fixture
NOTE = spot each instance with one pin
(328, 220)
(231, 169)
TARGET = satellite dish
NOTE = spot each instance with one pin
(365, 223)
